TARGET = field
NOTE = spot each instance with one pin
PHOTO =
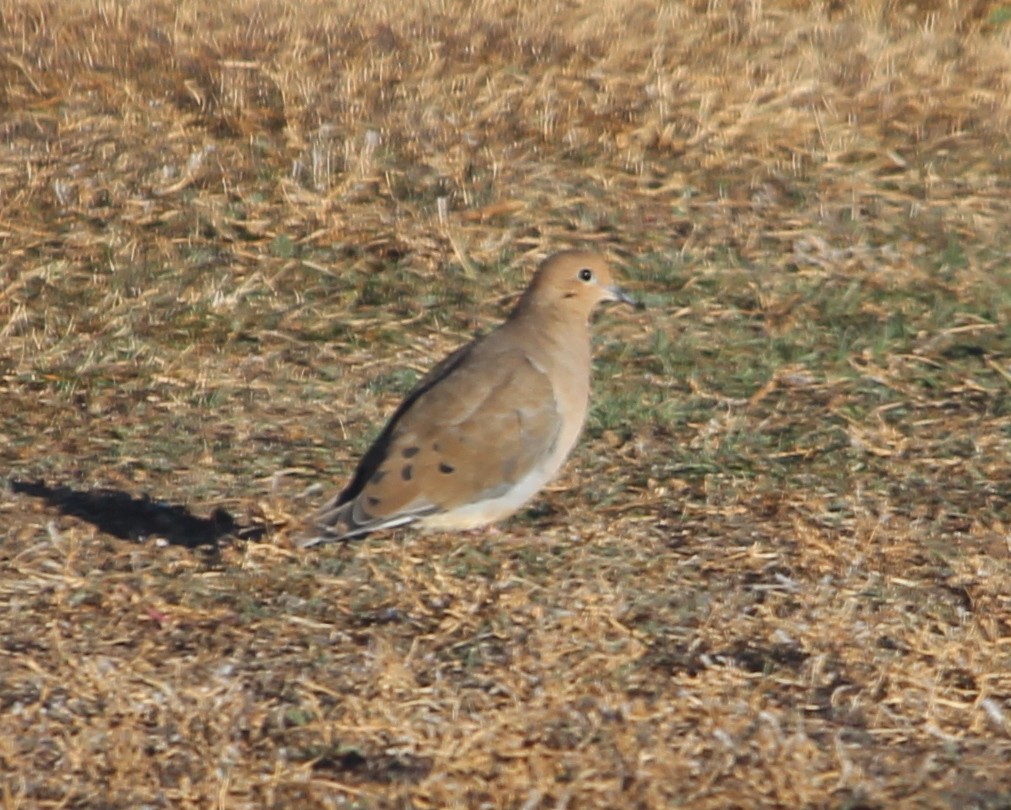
(776, 571)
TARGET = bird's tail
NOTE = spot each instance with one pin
(338, 521)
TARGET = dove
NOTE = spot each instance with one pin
(491, 424)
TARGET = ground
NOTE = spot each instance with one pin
(776, 572)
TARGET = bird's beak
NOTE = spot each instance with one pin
(618, 294)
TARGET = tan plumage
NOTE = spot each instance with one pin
(491, 424)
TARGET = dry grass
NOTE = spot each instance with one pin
(777, 571)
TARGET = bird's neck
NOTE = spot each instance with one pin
(552, 328)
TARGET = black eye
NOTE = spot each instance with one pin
(586, 274)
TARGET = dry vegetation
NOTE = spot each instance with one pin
(776, 572)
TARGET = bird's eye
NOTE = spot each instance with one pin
(586, 274)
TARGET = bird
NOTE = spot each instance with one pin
(489, 425)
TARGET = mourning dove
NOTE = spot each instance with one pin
(491, 424)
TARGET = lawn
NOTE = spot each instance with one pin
(776, 571)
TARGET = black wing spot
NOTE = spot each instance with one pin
(410, 452)
(377, 476)
(435, 446)
(407, 472)
(446, 468)
(372, 500)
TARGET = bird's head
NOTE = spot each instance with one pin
(574, 281)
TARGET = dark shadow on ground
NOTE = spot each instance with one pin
(139, 518)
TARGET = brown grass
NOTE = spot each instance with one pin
(777, 570)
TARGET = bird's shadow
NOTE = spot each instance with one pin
(129, 517)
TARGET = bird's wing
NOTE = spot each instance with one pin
(479, 423)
